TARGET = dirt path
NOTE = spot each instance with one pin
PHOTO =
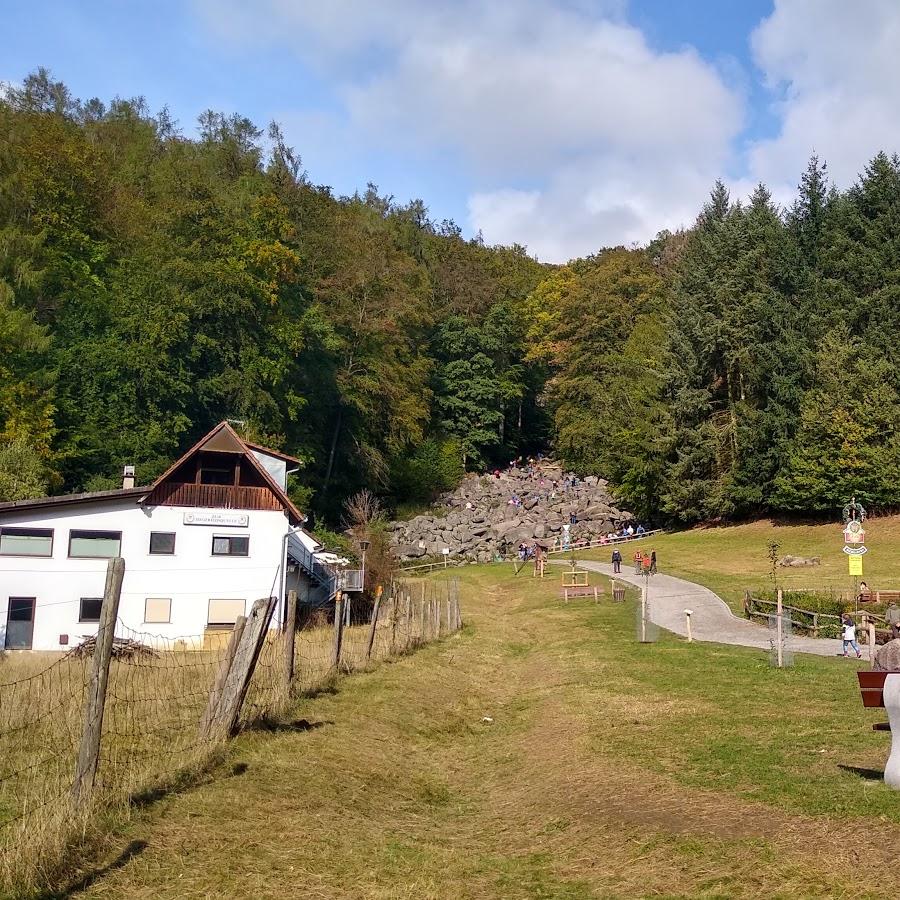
(479, 768)
(711, 619)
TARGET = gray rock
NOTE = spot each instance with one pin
(410, 551)
(799, 562)
(887, 656)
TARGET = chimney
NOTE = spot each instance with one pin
(128, 477)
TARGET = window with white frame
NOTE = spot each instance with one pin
(26, 541)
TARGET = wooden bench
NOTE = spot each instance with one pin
(582, 590)
(879, 597)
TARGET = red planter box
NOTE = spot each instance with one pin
(871, 685)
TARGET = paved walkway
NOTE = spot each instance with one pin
(712, 620)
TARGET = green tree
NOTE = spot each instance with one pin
(848, 442)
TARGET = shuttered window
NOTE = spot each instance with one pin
(158, 610)
(225, 612)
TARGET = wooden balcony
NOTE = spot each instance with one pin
(213, 496)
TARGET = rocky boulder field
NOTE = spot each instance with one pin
(478, 519)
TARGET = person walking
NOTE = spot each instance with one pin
(617, 561)
(638, 561)
(849, 635)
(652, 562)
(892, 615)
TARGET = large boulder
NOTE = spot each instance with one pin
(887, 656)
(799, 562)
(502, 529)
(410, 551)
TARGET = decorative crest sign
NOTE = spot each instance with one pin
(854, 533)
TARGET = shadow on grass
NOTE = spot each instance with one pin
(867, 774)
(327, 688)
(273, 726)
(134, 848)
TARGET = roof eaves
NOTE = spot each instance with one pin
(70, 499)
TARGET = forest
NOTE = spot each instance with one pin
(153, 284)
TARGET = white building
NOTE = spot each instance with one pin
(210, 536)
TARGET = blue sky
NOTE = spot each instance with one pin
(562, 125)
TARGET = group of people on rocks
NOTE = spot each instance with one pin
(623, 533)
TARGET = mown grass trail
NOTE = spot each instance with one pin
(608, 769)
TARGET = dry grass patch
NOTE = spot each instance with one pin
(583, 784)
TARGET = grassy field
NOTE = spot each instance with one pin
(733, 559)
(538, 754)
(154, 706)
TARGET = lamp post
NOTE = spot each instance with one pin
(364, 546)
(342, 581)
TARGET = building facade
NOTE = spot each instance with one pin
(209, 537)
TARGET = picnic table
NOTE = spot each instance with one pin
(581, 590)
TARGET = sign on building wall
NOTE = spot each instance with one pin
(219, 519)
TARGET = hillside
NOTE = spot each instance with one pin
(158, 283)
(730, 560)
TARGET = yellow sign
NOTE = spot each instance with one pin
(855, 565)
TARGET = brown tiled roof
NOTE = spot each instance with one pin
(63, 499)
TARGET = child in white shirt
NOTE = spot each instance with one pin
(849, 634)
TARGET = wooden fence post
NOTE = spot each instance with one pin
(338, 630)
(290, 636)
(815, 624)
(779, 631)
(376, 609)
(407, 621)
(215, 695)
(872, 641)
(421, 637)
(249, 646)
(394, 622)
(89, 750)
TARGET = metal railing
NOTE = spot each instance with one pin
(604, 542)
(321, 572)
(424, 568)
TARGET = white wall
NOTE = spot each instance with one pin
(190, 577)
(277, 468)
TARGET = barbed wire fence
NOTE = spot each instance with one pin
(131, 713)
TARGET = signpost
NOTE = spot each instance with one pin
(855, 543)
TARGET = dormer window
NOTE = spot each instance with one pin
(216, 475)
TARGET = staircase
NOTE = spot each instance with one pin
(324, 578)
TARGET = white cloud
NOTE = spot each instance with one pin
(577, 133)
(835, 67)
